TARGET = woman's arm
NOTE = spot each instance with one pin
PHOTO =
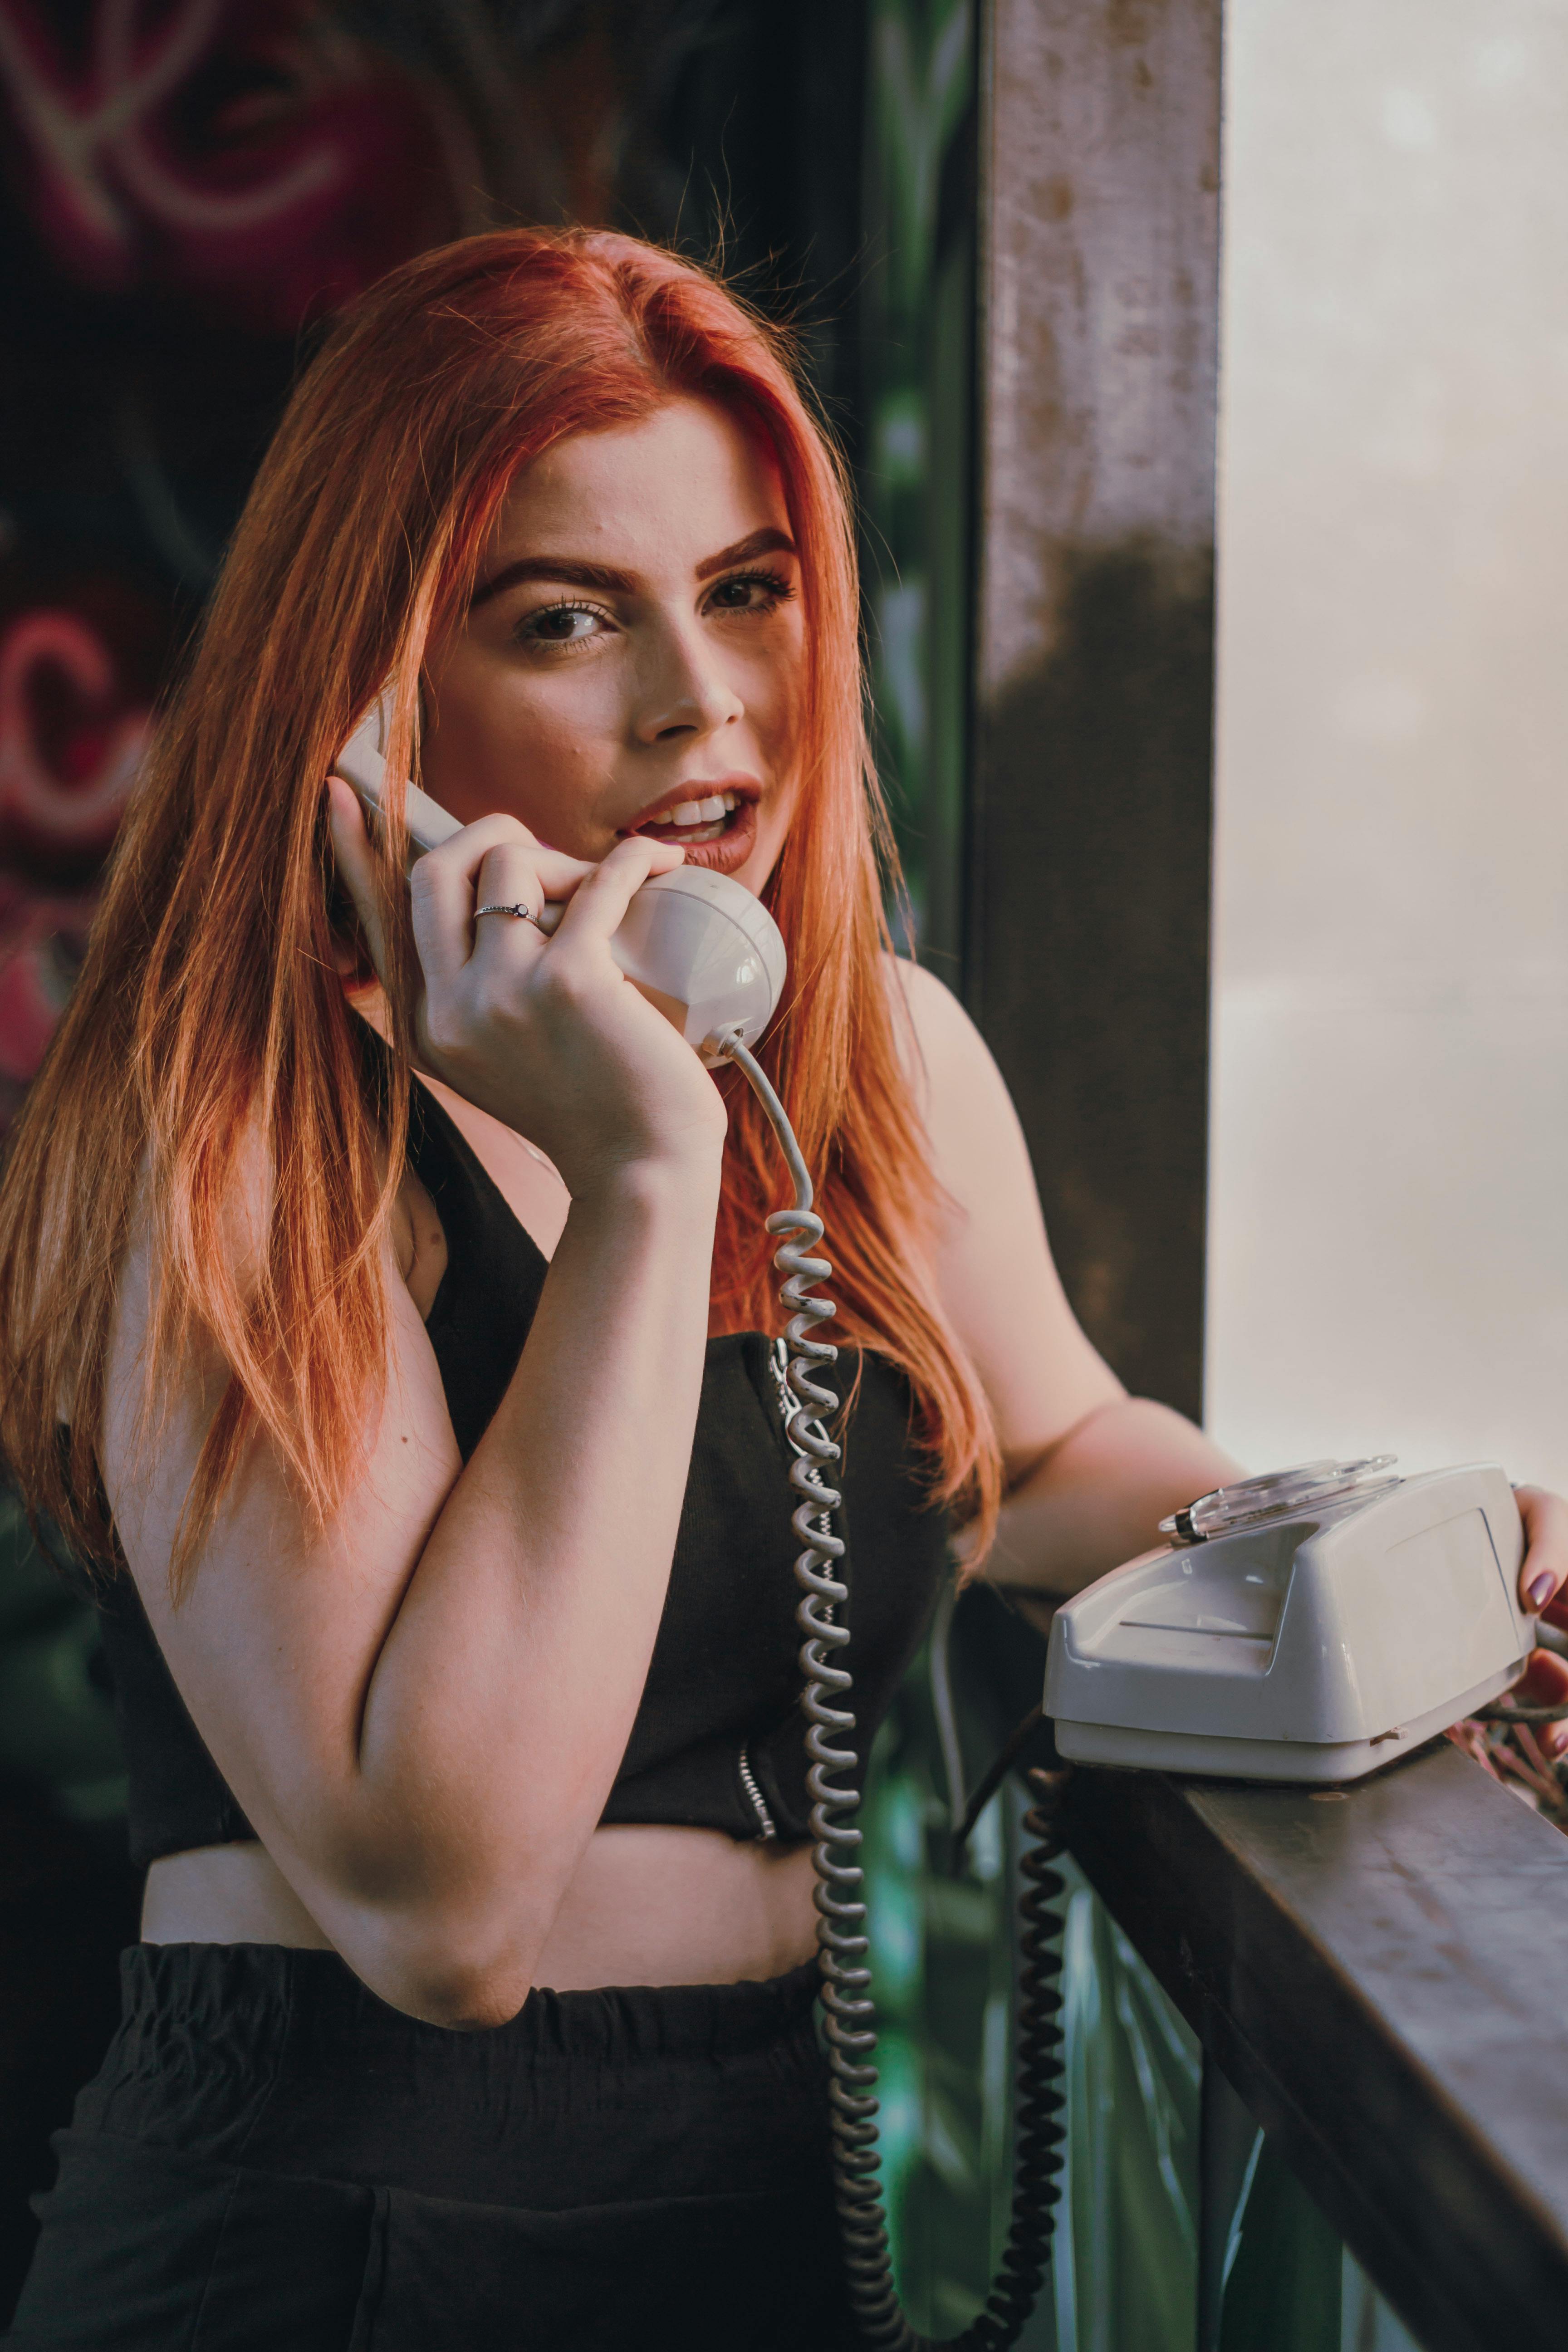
(1096, 1497)
(1090, 1471)
(422, 1708)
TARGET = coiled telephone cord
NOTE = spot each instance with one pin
(843, 1947)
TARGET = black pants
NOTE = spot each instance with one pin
(273, 2160)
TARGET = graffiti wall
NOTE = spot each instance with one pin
(191, 189)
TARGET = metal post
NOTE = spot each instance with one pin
(1087, 900)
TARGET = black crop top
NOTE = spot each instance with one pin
(718, 1741)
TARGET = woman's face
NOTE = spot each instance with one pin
(633, 659)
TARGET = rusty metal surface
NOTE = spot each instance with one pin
(1087, 906)
(1381, 1977)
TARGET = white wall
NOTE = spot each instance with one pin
(1389, 1234)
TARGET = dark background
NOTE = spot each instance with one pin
(178, 224)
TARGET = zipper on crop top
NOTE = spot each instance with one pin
(766, 1826)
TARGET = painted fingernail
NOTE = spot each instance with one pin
(1542, 1591)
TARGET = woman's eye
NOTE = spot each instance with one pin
(561, 624)
(750, 591)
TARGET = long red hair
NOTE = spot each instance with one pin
(209, 1011)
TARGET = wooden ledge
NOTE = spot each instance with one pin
(1383, 1976)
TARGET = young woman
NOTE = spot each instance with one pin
(425, 1429)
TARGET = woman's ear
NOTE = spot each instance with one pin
(350, 896)
(351, 957)
(424, 703)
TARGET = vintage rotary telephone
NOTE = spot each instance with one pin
(1309, 1625)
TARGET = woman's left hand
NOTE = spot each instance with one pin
(1543, 1590)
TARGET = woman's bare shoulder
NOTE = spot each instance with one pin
(944, 1053)
(932, 1006)
(237, 1242)
(993, 1267)
(244, 1218)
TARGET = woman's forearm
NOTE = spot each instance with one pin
(1096, 1498)
(500, 1703)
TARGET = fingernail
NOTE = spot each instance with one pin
(1542, 1591)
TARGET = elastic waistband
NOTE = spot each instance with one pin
(265, 1994)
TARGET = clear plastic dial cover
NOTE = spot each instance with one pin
(1278, 1493)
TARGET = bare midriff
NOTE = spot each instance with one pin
(648, 1906)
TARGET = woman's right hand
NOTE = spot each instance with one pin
(546, 1034)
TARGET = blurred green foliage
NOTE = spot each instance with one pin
(57, 1736)
(944, 1955)
(917, 347)
(1283, 2277)
(1126, 2273)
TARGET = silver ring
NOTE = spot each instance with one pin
(523, 914)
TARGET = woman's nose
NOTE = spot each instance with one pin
(685, 691)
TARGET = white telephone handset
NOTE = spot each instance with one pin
(692, 938)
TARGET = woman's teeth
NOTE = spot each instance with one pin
(700, 820)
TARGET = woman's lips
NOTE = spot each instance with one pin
(728, 845)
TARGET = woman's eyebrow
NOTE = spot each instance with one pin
(571, 573)
(552, 567)
(768, 541)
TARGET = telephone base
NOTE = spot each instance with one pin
(1223, 1758)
